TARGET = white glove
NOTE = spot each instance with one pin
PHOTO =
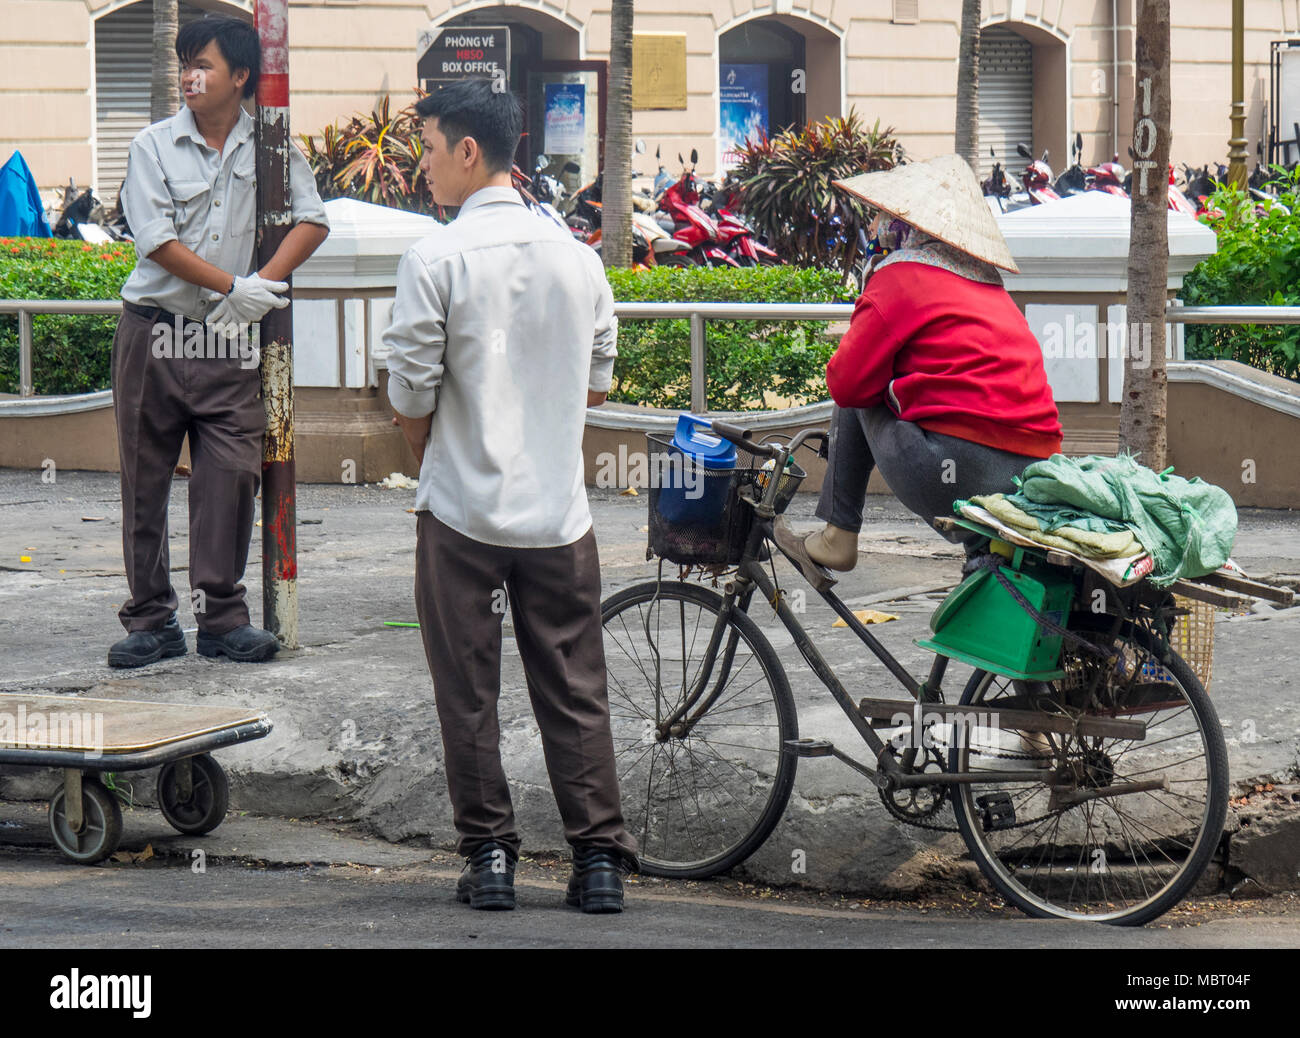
(253, 296)
(223, 321)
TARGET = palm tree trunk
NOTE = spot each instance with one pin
(1143, 408)
(968, 85)
(616, 189)
(165, 85)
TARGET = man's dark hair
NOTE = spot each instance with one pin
(472, 108)
(236, 40)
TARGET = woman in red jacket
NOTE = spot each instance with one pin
(939, 381)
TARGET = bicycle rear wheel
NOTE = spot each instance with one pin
(703, 794)
(1092, 839)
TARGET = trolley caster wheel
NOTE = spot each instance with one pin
(209, 795)
(101, 827)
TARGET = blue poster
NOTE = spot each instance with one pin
(742, 96)
(566, 127)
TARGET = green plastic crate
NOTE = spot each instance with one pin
(981, 624)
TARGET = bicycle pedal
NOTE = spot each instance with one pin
(809, 747)
(996, 811)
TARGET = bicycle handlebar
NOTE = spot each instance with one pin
(745, 438)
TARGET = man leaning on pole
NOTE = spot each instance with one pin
(184, 356)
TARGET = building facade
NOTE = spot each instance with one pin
(75, 74)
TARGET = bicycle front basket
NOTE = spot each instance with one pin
(715, 534)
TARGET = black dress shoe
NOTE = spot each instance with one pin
(488, 881)
(246, 644)
(141, 647)
(597, 881)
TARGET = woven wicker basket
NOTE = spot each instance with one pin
(1192, 637)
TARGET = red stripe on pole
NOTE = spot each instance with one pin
(272, 20)
(273, 90)
(286, 565)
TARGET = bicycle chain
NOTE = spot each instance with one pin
(918, 824)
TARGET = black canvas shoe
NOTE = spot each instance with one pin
(597, 881)
(141, 647)
(246, 644)
(488, 881)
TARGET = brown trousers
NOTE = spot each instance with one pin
(554, 599)
(157, 400)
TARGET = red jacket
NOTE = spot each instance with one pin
(952, 355)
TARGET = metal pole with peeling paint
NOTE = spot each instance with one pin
(274, 218)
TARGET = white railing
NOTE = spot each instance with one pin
(699, 314)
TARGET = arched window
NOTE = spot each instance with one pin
(759, 58)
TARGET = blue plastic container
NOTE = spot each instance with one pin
(698, 479)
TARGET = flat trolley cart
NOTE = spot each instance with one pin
(90, 737)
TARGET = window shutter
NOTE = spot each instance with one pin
(906, 12)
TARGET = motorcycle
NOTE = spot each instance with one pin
(1002, 191)
(523, 185)
(1037, 177)
(548, 189)
(663, 181)
(1108, 177)
(1179, 202)
(1074, 181)
(82, 218)
(651, 245)
(689, 223)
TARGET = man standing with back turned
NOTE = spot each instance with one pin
(503, 334)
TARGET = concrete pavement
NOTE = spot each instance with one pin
(356, 736)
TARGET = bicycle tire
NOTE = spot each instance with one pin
(669, 847)
(1007, 867)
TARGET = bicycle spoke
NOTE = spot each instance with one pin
(698, 792)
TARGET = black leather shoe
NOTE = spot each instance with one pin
(141, 647)
(246, 644)
(488, 881)
(597, 881)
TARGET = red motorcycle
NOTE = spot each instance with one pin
(690, 223)
(1178, 201)
(1037, 177)
(1108, 177)
(737, 237)
(736, 234)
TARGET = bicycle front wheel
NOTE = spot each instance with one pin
(1115, 829)
(703, 791)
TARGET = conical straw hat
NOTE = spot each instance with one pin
(942, 198)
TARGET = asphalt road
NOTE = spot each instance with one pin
(271, 883)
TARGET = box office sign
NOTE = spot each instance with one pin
(450, 54)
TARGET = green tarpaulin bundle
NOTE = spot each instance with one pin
(1187, 525)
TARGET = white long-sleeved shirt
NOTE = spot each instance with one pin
(177, 188)
(502, 323)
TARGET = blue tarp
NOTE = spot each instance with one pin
(22, 213)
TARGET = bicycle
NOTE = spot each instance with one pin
(1083, 761)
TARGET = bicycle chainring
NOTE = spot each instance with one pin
(916, 805)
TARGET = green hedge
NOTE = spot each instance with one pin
(1257, 264)
(749, 363)
(69, 354)
(746, 359)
